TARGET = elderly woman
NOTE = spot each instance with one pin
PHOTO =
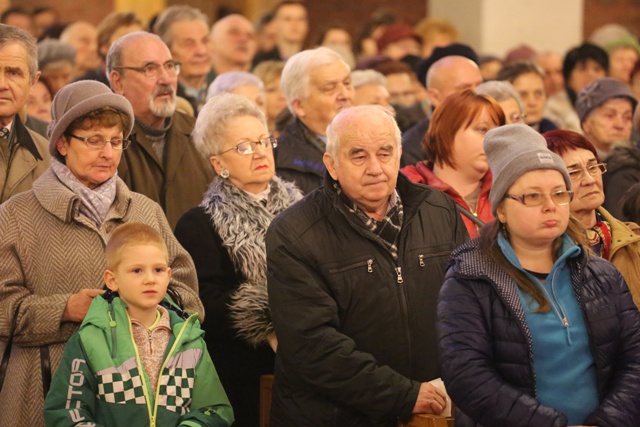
(53, 236)
(458, 165)
(225, 235)
(533, 329)
(611, 239)
(270, 72)
(239, 83)
(507, 97)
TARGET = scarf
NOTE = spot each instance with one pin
(94, 204)
(241, 221)
(388, 228)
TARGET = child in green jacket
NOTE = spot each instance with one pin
(137, 359)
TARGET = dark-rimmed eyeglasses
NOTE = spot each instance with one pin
(575, 173)
(559, 198)
(153, 70)
(97, 142)
(249, 147)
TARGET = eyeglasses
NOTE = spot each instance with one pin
(153, 71)
(559, 198)
(249, 147)
(517, 118)
(593, 170)
(97, 142)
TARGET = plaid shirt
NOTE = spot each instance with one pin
(388, 228)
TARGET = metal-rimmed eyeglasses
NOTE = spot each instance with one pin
(559, 198)
(153, 70)
(249, 147)
(97, 142)
(575, 173)
(517, 118)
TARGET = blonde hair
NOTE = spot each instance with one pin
(130, 234)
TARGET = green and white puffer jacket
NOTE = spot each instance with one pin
(101, 380)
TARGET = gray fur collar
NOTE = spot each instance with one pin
(242, 225)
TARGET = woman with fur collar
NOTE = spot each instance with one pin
(225, 236)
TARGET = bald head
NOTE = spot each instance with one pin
(233, 44)
(451, 74)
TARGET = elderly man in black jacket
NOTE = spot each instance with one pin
(354, 272)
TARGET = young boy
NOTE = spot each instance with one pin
(137, 358)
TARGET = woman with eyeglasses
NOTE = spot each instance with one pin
(608, 237)
(457, 164)
(52, 240)
(225, 236)
(534, 330)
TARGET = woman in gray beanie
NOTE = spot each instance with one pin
(533, 329)
(52, 240)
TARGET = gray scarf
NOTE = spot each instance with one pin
(242, 222)
(94, 204)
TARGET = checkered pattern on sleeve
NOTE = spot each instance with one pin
(177, 381)
(122, 384)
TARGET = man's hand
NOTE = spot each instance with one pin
(78, 305)
(431, 400)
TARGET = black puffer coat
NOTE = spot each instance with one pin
(485, 344)
(354, 342)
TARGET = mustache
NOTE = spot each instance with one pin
(163, 90)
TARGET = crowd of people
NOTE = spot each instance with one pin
(387, 224)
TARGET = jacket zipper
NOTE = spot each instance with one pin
(164, 364)
(368, 263)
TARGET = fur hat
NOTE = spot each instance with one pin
(77, 99)
(598, 92)
(513, 150)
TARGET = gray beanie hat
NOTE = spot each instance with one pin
(598, 91)
(51, 51)
(513, 150)
(77, 99)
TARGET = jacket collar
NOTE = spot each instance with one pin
(23, 137)
(65, 204)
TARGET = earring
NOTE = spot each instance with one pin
(504, 230)
(224, 173)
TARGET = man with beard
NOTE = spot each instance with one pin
(162, 163)
(233, 44)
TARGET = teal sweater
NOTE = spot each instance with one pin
(101, 381)
(564, 368)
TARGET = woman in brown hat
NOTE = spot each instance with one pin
(52, 240)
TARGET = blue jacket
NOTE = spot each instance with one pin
(486, 352)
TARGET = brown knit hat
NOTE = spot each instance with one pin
(77, 99)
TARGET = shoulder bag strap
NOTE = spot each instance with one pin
(7, 349)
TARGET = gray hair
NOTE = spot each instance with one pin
(214, 118)
(173, 14)
(295, 76)
(382, 117)
(229, 81)
(114, 56)
(500, 90)
(54, 53)
(367, 77)
(10, 34)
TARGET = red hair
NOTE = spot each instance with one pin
(563, 141)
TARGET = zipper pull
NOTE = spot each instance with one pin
(421, 258)
(370, 266)
(400, 280)
(152, 421)
(565, 322)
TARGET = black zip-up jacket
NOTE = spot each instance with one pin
(356, 329)
(486, 351)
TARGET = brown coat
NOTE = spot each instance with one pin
(625, 251)
(30, 161)
(49, 251)
(177, 185)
